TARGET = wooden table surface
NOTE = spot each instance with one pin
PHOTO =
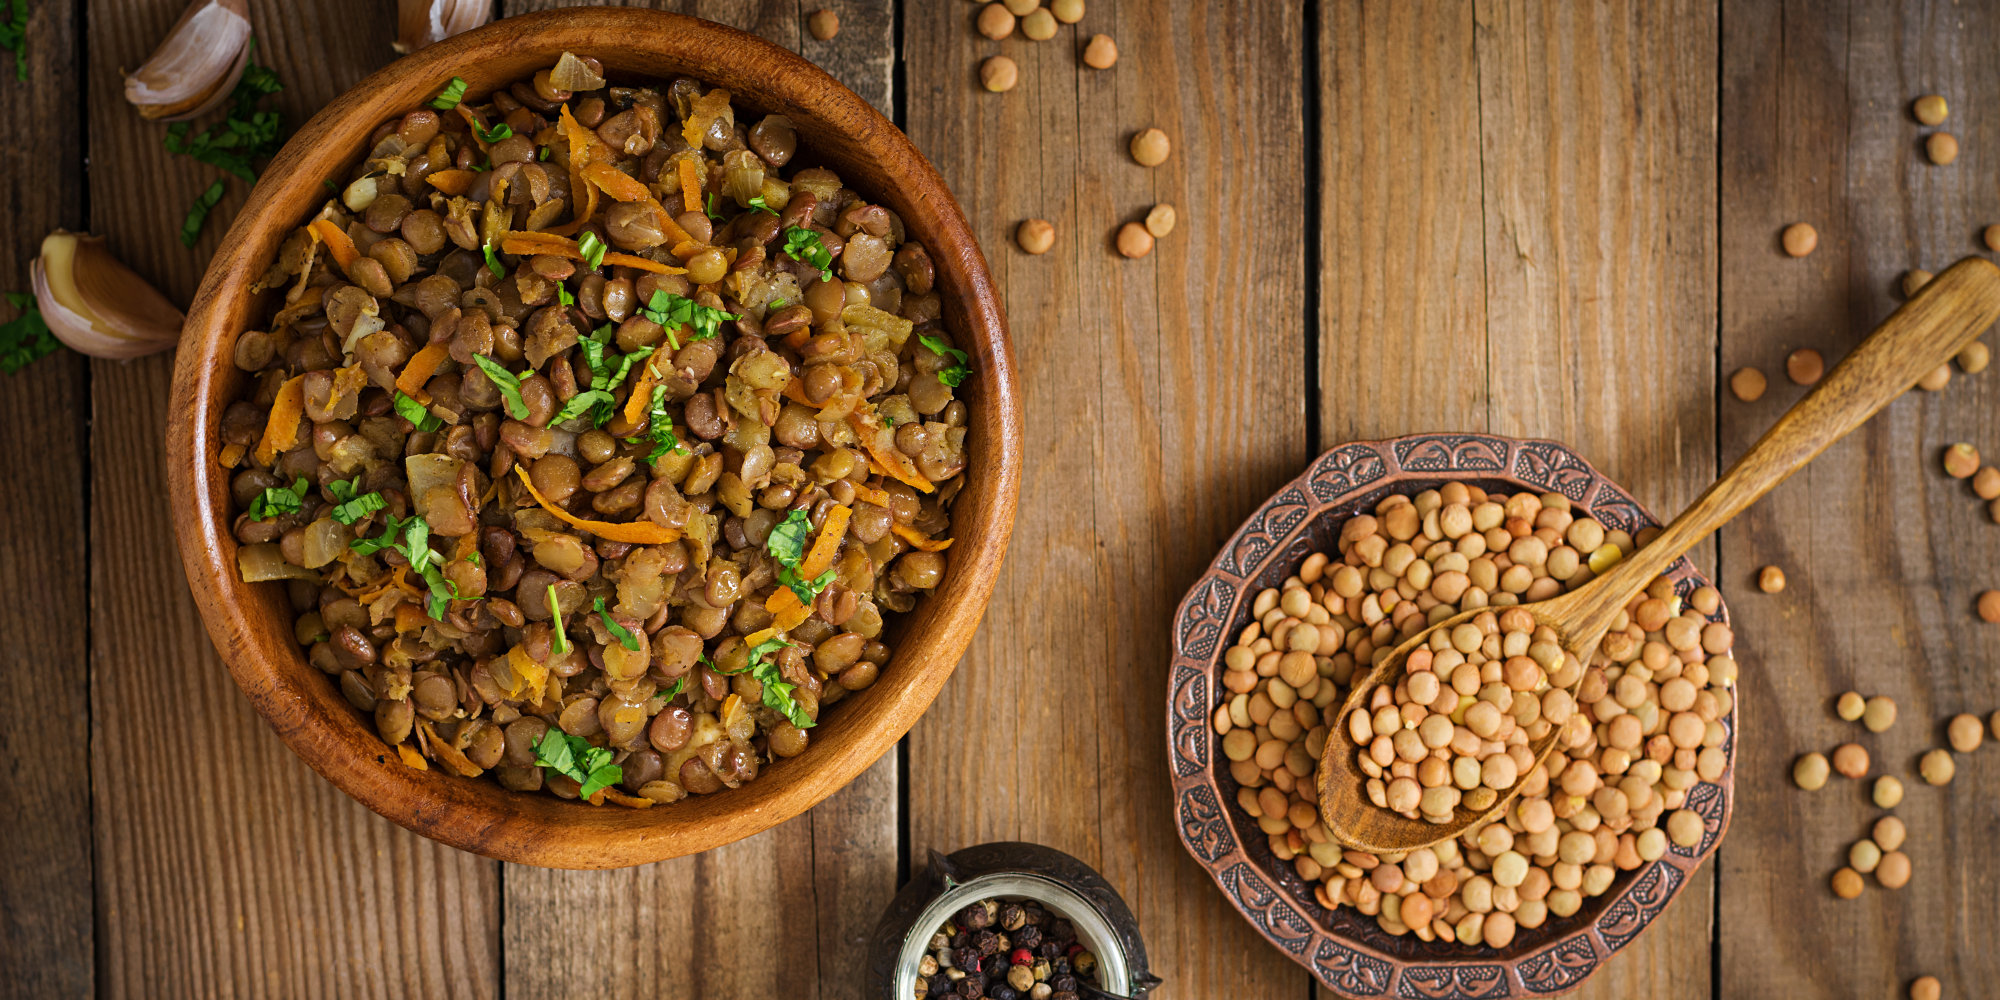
(1532, 217)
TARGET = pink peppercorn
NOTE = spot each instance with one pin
(1022, 956)
(1074, 947)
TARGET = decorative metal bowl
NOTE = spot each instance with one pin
(1344, 949)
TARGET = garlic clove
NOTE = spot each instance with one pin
(97, 305)
(197, 65)
(421, 22)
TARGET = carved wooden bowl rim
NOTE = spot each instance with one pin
(1343, 949)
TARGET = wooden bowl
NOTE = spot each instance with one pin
(252, 624)
(1346, 950)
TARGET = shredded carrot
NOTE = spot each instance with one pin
(919, 540)
(281, 431)
(887, 460)
(232, 455)
(551, 243)
(411, 618)
(412, 757)
(690, 185)
(688, 248)
(870, 494)
(642, 392)
(827, 545)
(616, 183)
(393, 583)
(668, 224)
(336, 241)
(453, 182)
(465, 112)
(635, 532)
(755, 639)
(419, 370)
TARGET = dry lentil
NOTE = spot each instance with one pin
(1992, 237)
(1879, 714)
(1914, 281)
(1805, 366)
(824, 24)
(1989, 610)
(1864, 856)
(1134, 241)
(1100, 52)
(1035, 236)
(1961, 461)
(1965, 733)
(1770, 579)
(1975, 357)
(1986, 483)
(1847, 883)
(1926, 988)
(996, 21)
(1888, 833)
(1850, 706)
(1888, 792)
(1936, 379)
(1800, 238)
(1160, 221)
(1336, 606)
(999, 74)
(1942, 147)
(1067, 11)
(1937, 767)
(1150, 147)
(1930, 109)
(1893, 872)
(1810, 771)
(1039, 25)
(1748, 384)
(1850, 760)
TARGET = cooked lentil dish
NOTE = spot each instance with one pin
(1644, 725)
(593, 449)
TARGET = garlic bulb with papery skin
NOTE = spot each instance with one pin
(95, 304)
(421, 22)
(197, 65)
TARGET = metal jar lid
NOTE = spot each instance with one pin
(1010, 870)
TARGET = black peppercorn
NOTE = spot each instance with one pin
(1012, 917)
(975, 918)
(1049, 949)
(1061, 966)
(1061, 995)
(1064, 931)
(1004, 992)
(941, 984)
(1061, 982)
(973, 985)
(966, 958)
(1028, 937)
(987, 942)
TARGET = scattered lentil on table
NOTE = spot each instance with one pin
(1810, 771)
(1100, 52)
(1021, 8)
(1134, 241)
(1150, 147)
(1770, 579)
(1937, 767)
(521, 547)
(1160, 221)
(1893, 871)
(1850, 706)
(1035, 236)
(999, 74)
(1914, 281)
(1067, 11)
(1850, 760)
(1941, 147)
(1847, 883)
(1926, 988)
(823, 24)
(1975, 357)
(1888, 792)
(1610, 796)
(1992, 237)
(1986, 483)
(1800, 238)
(1039, 25)
(1879, 714)
(1936, 379)
(1961, 461)
(1930, 109)
(1965, 733)
(1748, 384)
(1888, 833)
(996, 21)
(1805, 366)
(1989, 610)
(1864, 856)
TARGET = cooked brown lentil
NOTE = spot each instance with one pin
(1600, 804)
(730, 390)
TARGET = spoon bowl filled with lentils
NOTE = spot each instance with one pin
(595, 437)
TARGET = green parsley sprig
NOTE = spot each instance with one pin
(198, 213)
(659, 429)
(244, 137)
(14, 37)
(787, 545)
(278, 500)
(25, 339)
(757, 204)
(672, 312)
(621, 633)
(447, 99)
(494, 134)
(417, 413)
(493, 261)
(414, 533)
(592, 249)
(558, 637)
(574, 758)
(353, 507)
(804, 244)
(605, 377)
(954, 374)
(507, 382)
(777, 690)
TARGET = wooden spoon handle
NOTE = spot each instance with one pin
(1949, 313)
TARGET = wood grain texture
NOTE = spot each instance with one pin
(1884, 555)
(819, 878)
(862, 55)
(226, 867)
(45, 891)
(1402, 278)
(1598, 138)
(1164, 400)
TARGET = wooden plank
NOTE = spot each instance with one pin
(1402, 282)
(1883, 554)
(1597, 125)
(225, 866)
(45, 895)
(1164, 398)
(820, 878)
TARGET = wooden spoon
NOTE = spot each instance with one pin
(1949, 313)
